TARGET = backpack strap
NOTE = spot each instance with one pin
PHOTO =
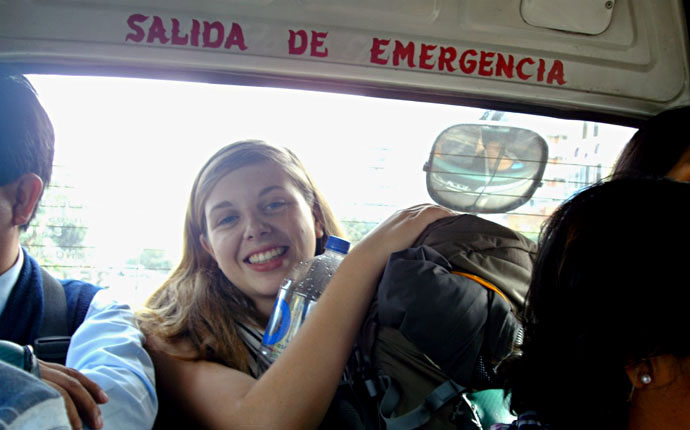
(54, 307)
(53, 336)
(420, 415)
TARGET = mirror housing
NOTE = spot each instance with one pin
(485, 167)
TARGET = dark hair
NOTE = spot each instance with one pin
(26, 134)
(609, 288)
(657, 146)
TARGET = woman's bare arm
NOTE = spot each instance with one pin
(297, 390)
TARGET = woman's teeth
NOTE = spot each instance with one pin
(266, 256)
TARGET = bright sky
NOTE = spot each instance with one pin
(132, 147)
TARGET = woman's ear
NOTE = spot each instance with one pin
(318, 225)
(207, 246)
(639, 374)
(318, 229)
(654, 372)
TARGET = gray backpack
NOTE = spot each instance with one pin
(442, 321)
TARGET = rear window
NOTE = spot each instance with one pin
(127, 151)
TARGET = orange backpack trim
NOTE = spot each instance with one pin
(484, 283)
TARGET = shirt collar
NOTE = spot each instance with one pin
(9, 279)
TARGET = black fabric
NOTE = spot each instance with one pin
(451, 319)
(350, 409)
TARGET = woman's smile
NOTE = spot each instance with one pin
(267, 259)
(259, 225)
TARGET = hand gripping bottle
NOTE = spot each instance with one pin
(299, 291)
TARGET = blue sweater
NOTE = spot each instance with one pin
(20, 322)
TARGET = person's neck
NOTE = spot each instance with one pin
(265, 308)
(9, 250)
(656, 413)
(639, 420)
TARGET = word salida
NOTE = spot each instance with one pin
(204, 34)
(470, 61)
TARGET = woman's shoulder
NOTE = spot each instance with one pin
(179, 348)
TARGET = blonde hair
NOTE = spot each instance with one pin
(197, 302)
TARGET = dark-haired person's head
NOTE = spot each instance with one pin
(26, 146)
(606, 321)
(659, 148)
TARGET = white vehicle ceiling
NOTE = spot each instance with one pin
(623, 59)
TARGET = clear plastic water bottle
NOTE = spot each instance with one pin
(299, 291)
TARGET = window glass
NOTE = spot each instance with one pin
(127, 151)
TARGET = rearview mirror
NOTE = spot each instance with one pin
(485, 168)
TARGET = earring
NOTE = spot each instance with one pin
(646, 379)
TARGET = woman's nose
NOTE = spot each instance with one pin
(256, 227)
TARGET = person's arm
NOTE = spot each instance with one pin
(297, 390)
(108, 348)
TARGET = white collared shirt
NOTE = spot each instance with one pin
(9, 278)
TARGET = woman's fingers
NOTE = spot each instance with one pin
(401, 229)
(426, 214)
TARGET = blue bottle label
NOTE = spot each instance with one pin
(279, 324)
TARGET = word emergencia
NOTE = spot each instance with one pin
(382, 52)
(469, 61)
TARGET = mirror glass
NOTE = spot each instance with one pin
(485, 168)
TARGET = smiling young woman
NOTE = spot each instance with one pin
(259, 226)
(254, 213)
(206, 296)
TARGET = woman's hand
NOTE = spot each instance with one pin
(401, 229)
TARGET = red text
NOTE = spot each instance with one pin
(469, 62)
(299, 41)
(205, 34)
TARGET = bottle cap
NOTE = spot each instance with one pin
(338, 244)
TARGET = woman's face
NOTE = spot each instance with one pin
(258, 227)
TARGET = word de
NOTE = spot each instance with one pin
(299, 41)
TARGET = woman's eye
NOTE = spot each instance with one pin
(230, 219)
(275, 206)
